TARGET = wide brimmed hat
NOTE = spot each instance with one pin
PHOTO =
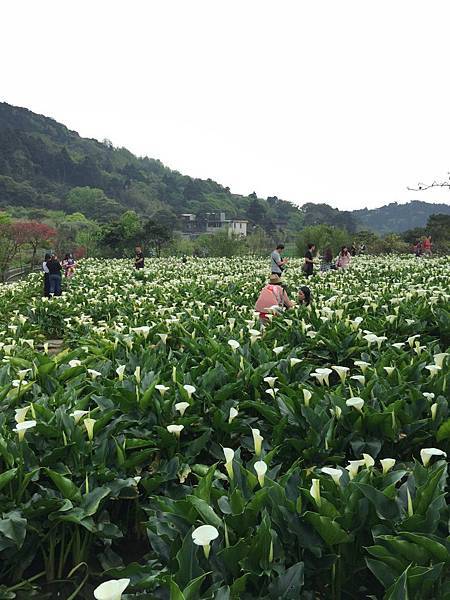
(274, 279)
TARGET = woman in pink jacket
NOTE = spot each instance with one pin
(272, 299)
(344, 258)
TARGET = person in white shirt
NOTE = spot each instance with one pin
(46, 275)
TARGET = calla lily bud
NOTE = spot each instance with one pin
(233, 414)
(203, 536)
(137, 374)
(229, 456)
(433, 411)
(315, 490)
(261, 469)
(387, 464)
(257, 440)
(89, 425)
(120, 371)
(111, 590)
(427, 453)
(306, 396)
(410, 504)
(294, 361)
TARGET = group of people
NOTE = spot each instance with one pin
(274, 299)
(53, 270)
(327, 261)
(423, 248)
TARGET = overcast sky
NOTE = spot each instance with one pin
(338, 101)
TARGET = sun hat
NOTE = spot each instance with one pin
(274, 279)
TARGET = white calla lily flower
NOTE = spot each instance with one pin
(387, 464)
(203, 536)
(261, 469)
(439, 359)
(257, 440)
(22, 428)
(356, 403)
(190, 389)
(233, 414)
(78, 414)
(353, 467)
(21, 413)
(234, 344)
(335, 474)
(111, 590)
(270, 381)
(307, 395)
(341, 371)
(162, 389)
(175, 429)
(368, 460)
(315, 491)
(120, 371)
(89, 426)
(229, 456)
(427, 453)
(181, 407)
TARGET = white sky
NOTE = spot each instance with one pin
(338, 101)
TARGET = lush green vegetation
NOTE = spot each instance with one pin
(314, 449)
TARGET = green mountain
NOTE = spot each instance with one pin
(45, 166)
(399, 217)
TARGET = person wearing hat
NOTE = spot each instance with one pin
(272, 299)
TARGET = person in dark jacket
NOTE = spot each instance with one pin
(54, 271)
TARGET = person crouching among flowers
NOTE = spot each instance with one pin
(273, 299)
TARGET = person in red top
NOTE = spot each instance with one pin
(426, 245)
(272, 299)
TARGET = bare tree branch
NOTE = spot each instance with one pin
(426, 186)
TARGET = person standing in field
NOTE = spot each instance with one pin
(344, 258)
(277, 262)
(54, 270)
(272, 299)
(426, 245)
(46, 275)
(139, 258)
(308, 265)
(327, 261)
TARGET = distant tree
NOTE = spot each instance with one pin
(219, 244)
(258, 242)
(34, 234)
(256, 211)
(156, 235)
(323, 236)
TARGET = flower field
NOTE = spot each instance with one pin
(170, 441)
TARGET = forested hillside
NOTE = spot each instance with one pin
(46, 167)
